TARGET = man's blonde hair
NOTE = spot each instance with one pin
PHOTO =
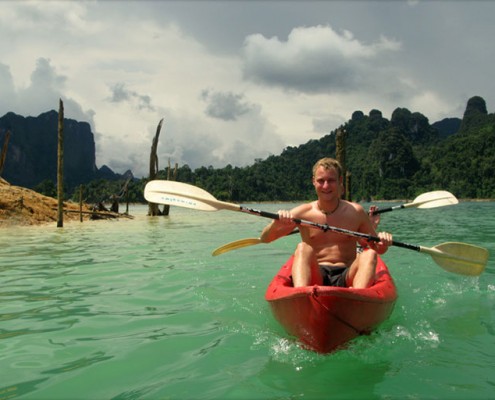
(328, 163)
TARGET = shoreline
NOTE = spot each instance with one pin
(24, 207)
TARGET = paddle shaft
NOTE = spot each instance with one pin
(387, 209)
(326, 228)
(467, 266)
(195, 200)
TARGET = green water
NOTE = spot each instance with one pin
(139, 309)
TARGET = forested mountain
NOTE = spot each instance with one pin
(465, 162)
(387, 159)
(32, 151)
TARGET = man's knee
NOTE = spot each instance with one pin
(304, 250)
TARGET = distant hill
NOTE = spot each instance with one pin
(32, 151)
(387, 159)
(447, 126)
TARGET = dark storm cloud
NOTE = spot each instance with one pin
(121, 94)
(227, 106)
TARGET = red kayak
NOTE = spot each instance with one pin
(325, 318)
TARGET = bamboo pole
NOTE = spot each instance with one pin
(60, 166)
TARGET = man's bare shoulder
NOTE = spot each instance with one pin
(302, 209)
(358, 208)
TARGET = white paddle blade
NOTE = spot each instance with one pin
(235, 245)
(438, 198)
(460, 258)
(179, 194)
(178, 188)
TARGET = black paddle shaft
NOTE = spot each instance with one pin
(323, 227)
(326, 227)
(387, 209)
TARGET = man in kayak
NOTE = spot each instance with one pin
(330, 258)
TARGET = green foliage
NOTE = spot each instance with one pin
(466, 160)
(47, 188)
(396, 159)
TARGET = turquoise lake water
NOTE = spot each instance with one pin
(139, 309)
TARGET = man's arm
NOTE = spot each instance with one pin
(278, 227)
(374, 218)
(368, 226)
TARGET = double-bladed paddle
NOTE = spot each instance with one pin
(459, 258)
(438, 198)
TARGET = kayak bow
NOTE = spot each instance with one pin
(325, 318)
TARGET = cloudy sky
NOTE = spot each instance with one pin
(238, 80)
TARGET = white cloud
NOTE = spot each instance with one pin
(313, 60)
(43, 92)
(7, 87)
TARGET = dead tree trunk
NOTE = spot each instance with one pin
(153, 208)
(125, 192)
(340, 156)
(60, 166)
(127, 202)
(4, 151)
(166, 207)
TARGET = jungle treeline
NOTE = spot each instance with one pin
(387, 159)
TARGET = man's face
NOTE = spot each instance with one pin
(327, 182)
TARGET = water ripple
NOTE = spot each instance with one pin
(139, 309)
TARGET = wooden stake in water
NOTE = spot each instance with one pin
(60, 166)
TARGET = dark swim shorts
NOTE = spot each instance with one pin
(334, 276)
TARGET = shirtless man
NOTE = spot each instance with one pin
(330, 258)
